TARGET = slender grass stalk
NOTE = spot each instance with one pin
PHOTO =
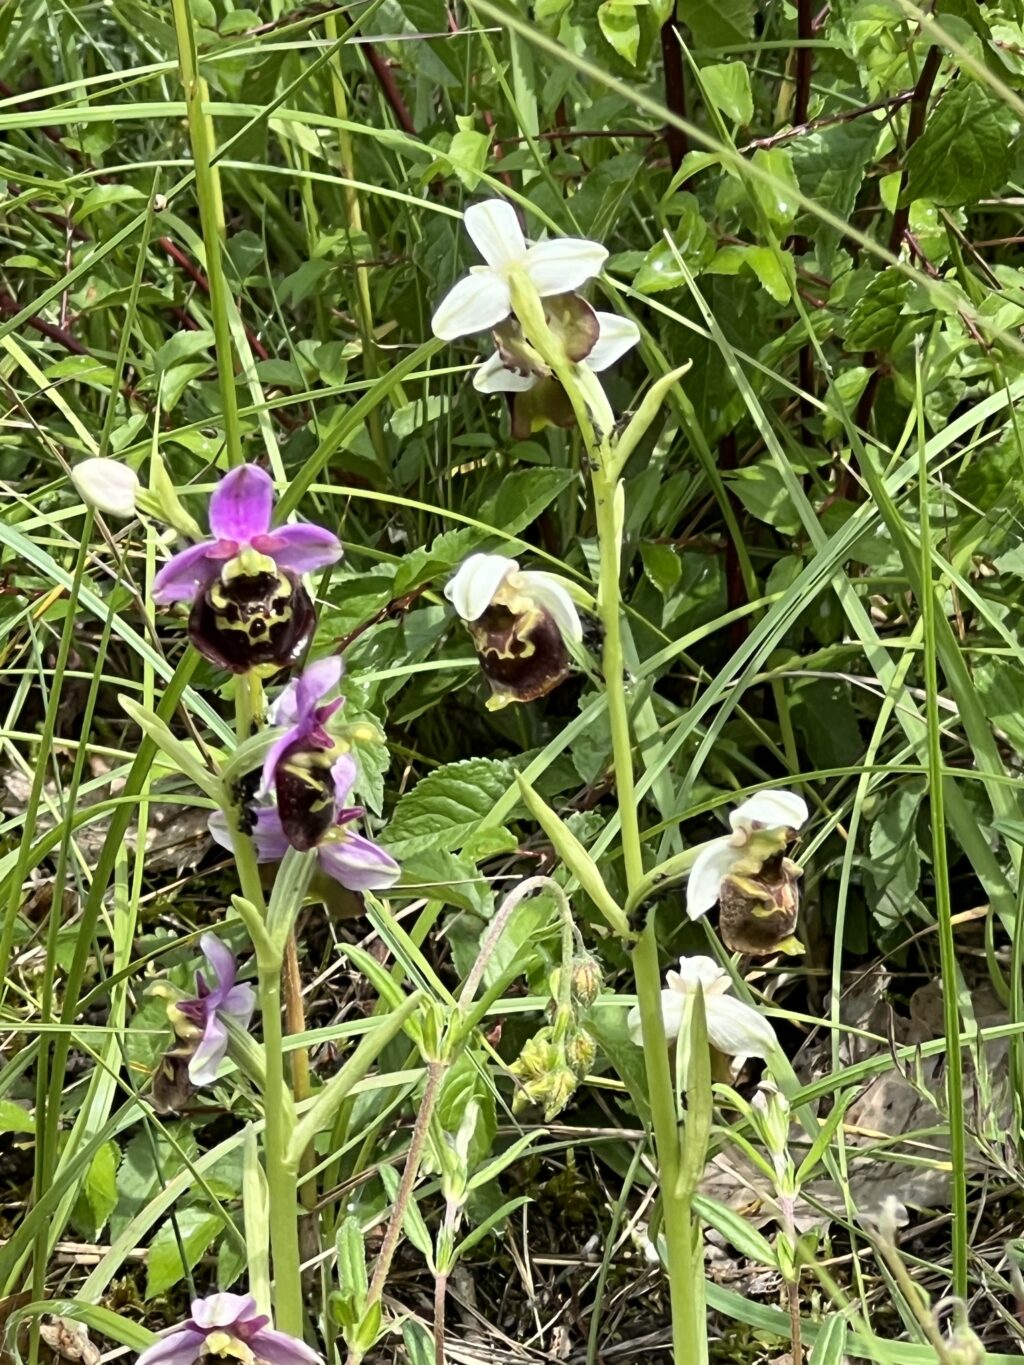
(211, 218)
(940, 867)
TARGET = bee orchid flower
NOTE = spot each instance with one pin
(298, 766)
(230, 1327)
(350, 859)
(249, 608)
(734, 1027)
(615, 337)
(748, 874)
(519, 621)
(484, 298)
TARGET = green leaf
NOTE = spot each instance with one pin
(769, 266)
(778, 200)
(620, 25)
(484, 1228)
(662, 566)
(467, 152)
(444, 809)
(197, 1228)
(14, 1119)
(736, 1230)
(106, 196)
(876, 318)
(448, 877)
(719, 23)
(830, 1348)
(967, 149)
(727, 86)
(762, 491)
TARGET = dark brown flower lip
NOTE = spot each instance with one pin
(523, 656)
(260, 621)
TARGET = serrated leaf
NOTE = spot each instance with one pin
(450, 878)
(727, 86)
(967, 149)
(444, 809)
(197, 1228)
(876, 318)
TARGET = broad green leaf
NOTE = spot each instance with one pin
(15, 1119)
(967, 149)
(778, 200)
(620, 25)
(444, 809)
(876, 318)
(468, 152)
(197, 1228)
(719, 23)
(727, 86)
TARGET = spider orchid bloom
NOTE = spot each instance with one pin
(202, 1023)
(231, 1327)
(249, 608)
(352, 860)
(615, 337)
(775, 814)
(298, 767)
(484, 298)
(519, 621)
(734, 1027)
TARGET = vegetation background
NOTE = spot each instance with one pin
(822, 568)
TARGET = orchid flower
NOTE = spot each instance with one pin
(484, 298)
(519, 620)
(734, 1027)
(212, 1005)
(615, 337)
(298, 766)
(250, 610)
(777, 813)
(231, 1327)
(352, 860)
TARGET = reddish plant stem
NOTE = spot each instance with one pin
(389, 86)
(675, 91)
(804, 32)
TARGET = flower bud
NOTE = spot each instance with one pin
(107, 486)
(587, 981)
(580, 1052)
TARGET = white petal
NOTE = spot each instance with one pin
(737, 1029)
(563, 264)
(770, 810)
(494, 377)
(475, 304)
(636, 1033)
(548, 591)
(106, 485)
(496, 233)
(712, 863)
(616, 337)
(472, 589)
(673, 1009)
(698, 971)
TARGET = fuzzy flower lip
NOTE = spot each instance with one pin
(481, 577)
(484, 297)
(108, 486)
(734, 1027)
(767, 810)
(240, 510)
(298, 707)
(615, 337)
(212, 1005)
(352, 860)
(232, 1327)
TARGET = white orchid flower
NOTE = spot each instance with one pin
(484, 298)
(733, 1027)
(615, 337)
(108, 486)
(483, 578)
(768, 810)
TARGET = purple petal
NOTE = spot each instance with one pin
(358, 863)
(188, 572)
(178, 1348)
(344, 773)
(239, 1004)
(320, 677)
(277, 1348)
(241, 504)
(226, 1310)
(222, 960)
(300, 548)
(268, 836)
(205, 1061)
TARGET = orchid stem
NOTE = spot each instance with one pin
(211, 218)
(282, 1174)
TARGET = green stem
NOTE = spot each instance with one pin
(282, 1172)
(211, 218)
